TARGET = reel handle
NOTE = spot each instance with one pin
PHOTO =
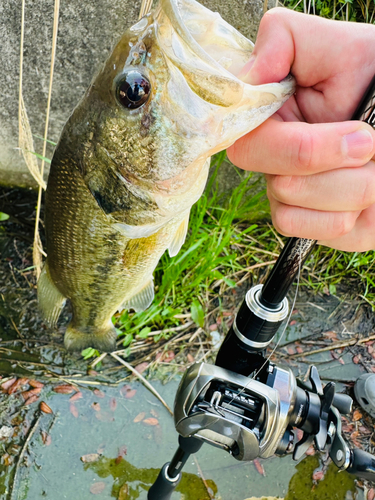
(362, 464)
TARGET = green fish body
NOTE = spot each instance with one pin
(134, 157)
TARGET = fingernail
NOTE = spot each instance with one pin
(359, 144)
(244, 73)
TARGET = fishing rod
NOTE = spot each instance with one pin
(248, 406)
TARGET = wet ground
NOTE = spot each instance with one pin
(108, 435)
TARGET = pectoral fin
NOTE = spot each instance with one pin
(50, 299)
(142, 300)
(179, 238)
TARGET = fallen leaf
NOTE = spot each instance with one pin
(77, 395)
(354, 435)
(113, 404)
(139, 417)
(151, 421)
(291, 350)
(364, 430)
(142, 367)
(95, 406)
(190, 358)
(341, 361)
(130, 394)
(213, 327)
(98, 393)
(356, 360)
(35, 383)
(122, 451)
(259, 467)
(73, 410)
(7, 459)
(64, 389)
(154, 413)
(293, 322)
(90, 457)
(310, 451)
(46, 438)
(357, 415)
(330, 335)
(97, 488)
(92, 373)
(31, 399)
(299, 433)
(31, 392)
(44, 407)
(299, 349)
(17, 384)
(8, 383)
(169, 356)
(318, 475)
(123, 494)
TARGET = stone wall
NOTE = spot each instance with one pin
(87, 32)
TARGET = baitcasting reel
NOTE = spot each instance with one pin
(251, 419)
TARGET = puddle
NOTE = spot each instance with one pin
(126, 455)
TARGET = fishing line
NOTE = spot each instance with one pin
(37, 250)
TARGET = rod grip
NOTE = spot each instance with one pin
(164, 486)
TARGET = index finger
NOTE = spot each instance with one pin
(298, 148)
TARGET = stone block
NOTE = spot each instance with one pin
(87, 32)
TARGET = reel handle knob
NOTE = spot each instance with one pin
(362, 464)
(343, 403)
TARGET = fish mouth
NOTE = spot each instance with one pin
(210, 54)
(209, 37)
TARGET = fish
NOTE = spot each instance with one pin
(134, 157)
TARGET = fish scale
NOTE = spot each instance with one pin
(133, 158)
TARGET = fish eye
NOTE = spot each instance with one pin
(133, 90)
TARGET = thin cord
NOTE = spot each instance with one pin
(37, 243)
(286, 323)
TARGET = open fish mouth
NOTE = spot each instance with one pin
(211, 40)
(205, 55)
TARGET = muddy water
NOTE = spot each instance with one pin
(92, 447)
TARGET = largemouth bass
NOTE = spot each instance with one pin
(134, 157)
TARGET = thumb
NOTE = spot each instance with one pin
(273, 54)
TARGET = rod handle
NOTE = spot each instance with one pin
(164, 486)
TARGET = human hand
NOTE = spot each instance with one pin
(320, 168)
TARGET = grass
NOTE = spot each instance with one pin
(346, 10)
(230, 241)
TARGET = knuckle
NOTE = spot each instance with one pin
(282, 220)
(303, 148)
(367, 193)
(343, 223)
(285, 187)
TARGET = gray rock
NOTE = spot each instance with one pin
(87, 32)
